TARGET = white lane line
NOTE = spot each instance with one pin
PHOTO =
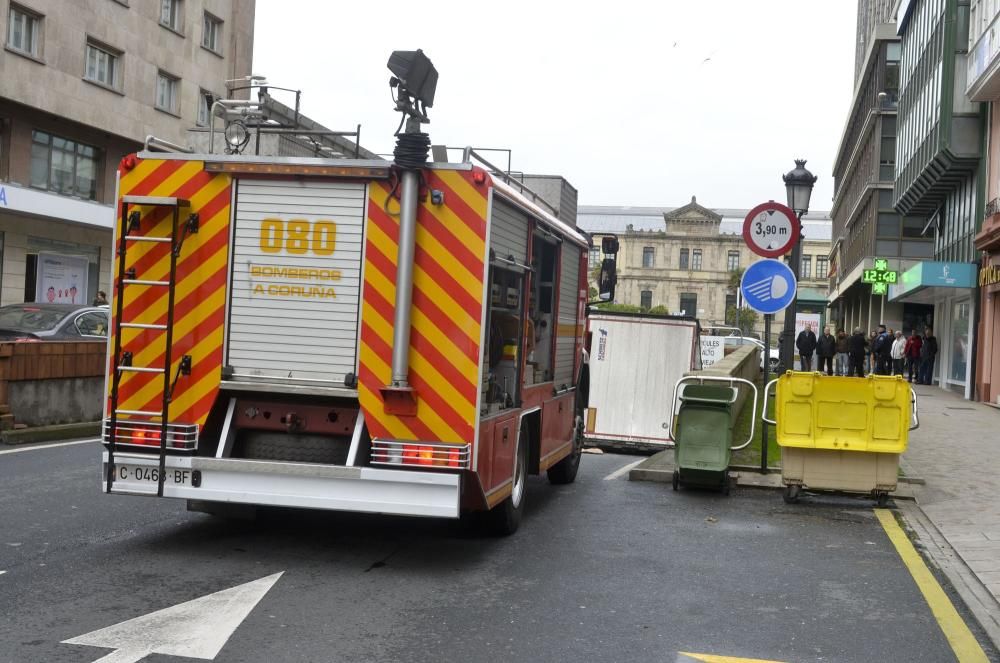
(622, 470)
(2, 572)
(35, 447)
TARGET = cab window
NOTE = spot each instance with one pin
(92, 324)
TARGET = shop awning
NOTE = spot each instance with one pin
(927, 281)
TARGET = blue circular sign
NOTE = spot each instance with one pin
(768, 286)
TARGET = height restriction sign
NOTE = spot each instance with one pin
(771, 229)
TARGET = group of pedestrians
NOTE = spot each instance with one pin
(884, 352)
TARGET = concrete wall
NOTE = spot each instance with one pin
(60, 401)
(51, 382)
(744, 363)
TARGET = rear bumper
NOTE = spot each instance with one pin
(623, 442)
(273, 483)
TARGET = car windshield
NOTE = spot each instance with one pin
(29, 318)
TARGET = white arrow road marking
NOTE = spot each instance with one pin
(195, 629)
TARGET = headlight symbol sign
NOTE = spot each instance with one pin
(768, 286)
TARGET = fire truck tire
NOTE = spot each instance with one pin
(504, 518)
(295, 448)
(564, 471)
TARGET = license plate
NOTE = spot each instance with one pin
(147, 474)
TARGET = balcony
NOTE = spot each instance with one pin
(983, 65)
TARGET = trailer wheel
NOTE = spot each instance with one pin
(565, 471)
(504, 518)
(791, 495)
(262, 445)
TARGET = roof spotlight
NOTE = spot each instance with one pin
(237, 135)
(415, 74)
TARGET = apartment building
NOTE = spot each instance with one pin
(84, 83)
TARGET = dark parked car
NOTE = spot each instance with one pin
(53, 322)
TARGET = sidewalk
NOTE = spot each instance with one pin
(956, 451)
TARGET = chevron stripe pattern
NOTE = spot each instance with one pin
(200, 288)
(446, 314)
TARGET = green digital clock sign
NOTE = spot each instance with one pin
(880, 277)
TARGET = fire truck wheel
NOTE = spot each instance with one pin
(565, 470)
(504, 518)
(296, 448)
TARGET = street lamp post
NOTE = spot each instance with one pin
(798, 187)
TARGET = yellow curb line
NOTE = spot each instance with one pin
(962, 642)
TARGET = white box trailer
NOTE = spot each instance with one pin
(635, 359)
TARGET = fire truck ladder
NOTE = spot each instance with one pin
(129, 233)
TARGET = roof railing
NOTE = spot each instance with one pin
(470, 153)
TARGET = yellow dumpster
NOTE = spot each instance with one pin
(841, 433)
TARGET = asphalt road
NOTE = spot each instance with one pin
(602, 570)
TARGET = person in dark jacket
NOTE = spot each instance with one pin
(842, 352)
(826, 347)
(856, 350)
(806, 343)
(928, 353)
(882, 351)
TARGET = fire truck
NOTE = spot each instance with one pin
(399, 337)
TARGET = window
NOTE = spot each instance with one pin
(205, 101)
(689, 304)
(913, 227)
(806, 269)
(170, 14)
(822, 267)
(648, 255)
(593, 258)
(64, 166)
(211, 35)
(684, 259)
(733, 261)
(646, 299)
(102, 66)
(696, 259)
(888, 225)
(731, 312)
(24, 30)
(166, 93)
(92, 324)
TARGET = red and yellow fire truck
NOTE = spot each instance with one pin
(341, 334)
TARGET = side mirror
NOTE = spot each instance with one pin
(609, 245)
(607, 280)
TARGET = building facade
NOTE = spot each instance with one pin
(939, 176)
(866, 225)
(84, 83)
(681, 259)
(983, 81)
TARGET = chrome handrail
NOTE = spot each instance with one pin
(763, 412)
(711, 378)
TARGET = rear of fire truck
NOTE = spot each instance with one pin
(302, 332)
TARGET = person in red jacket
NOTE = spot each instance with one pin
(912, 353)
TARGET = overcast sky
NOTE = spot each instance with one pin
(635, 103)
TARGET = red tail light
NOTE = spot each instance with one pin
(149, 438)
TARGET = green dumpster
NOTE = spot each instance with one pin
(703, 430)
